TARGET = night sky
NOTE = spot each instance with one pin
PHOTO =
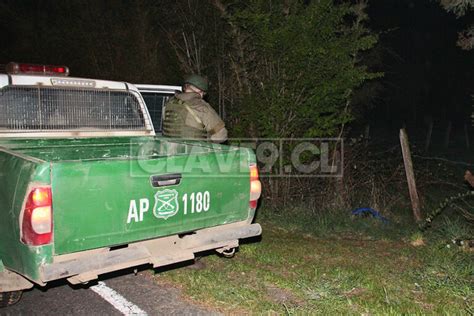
(427, 74)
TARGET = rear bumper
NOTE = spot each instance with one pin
(88, 265)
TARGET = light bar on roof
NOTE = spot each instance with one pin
(34, 69)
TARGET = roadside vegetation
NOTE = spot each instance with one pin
(359, 266)
(317, 258)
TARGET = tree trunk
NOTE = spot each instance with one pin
(367, 135)
(238, 66)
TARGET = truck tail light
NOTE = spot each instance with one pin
(32, 69)
(37, 222)
(255, 186)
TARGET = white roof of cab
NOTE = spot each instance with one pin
(31, 80)
(157, 88)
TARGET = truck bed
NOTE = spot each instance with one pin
(105, 194)
(84, 149)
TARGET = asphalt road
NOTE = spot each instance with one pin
(126, 294)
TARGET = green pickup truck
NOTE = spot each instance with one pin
(87, 187)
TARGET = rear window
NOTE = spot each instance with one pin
(48, 108)
(154, 102)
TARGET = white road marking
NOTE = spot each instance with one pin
(116, 300)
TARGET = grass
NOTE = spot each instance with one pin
(357, 266)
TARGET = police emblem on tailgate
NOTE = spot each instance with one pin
(166, 204)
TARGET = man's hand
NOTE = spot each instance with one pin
(220, 136)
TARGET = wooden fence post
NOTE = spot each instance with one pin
(415, 201)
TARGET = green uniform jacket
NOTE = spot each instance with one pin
(187, 115)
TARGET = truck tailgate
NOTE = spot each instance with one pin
(106, 202)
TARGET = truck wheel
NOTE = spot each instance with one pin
(229, 253)
(9, 298)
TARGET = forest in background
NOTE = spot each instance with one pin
(306, 67)
(284, 69)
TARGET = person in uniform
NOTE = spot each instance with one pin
(187, 115)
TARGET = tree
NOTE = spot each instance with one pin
(461, 8)
(296, 63)
(279, 69)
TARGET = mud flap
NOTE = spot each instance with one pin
(10, 281)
